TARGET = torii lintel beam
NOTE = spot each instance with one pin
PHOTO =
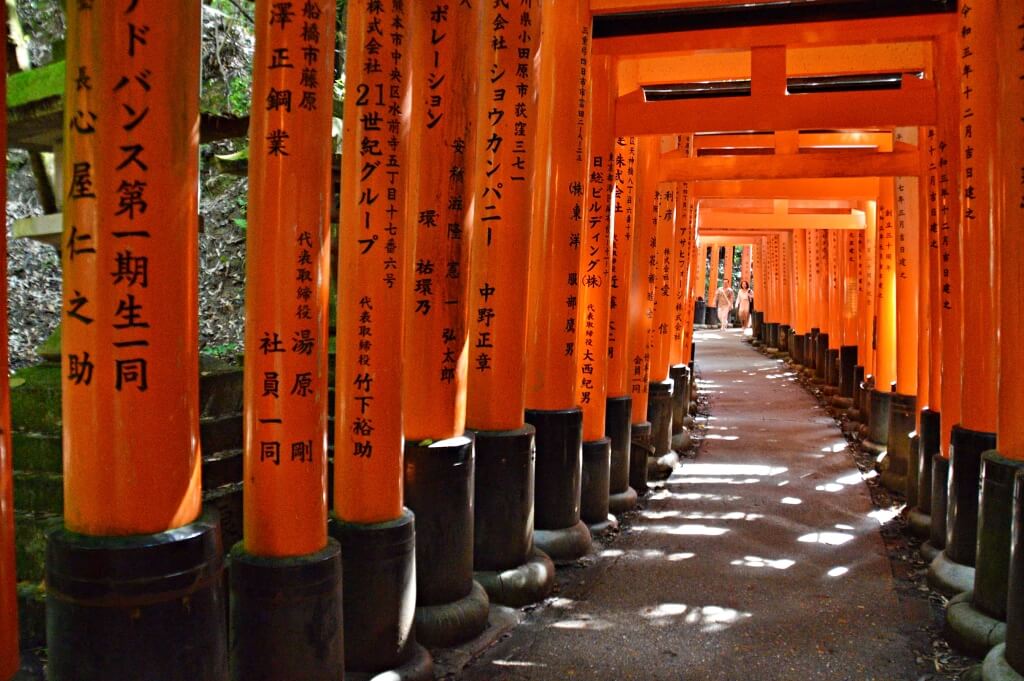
(914, 104)
(853, 188)
(850, 32)
(718, 221)
(825, 164)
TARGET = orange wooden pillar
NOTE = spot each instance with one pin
(287, 293)
(1009, 215)
(927, 428)
(130, 360)
(660, 390)
(700, 283)
(884, 295)
(974, 431)
(373, 239)
(978, 523)
(800, 324)
(714, 276)
(498, 309)
(849, 243)
(9, 657)
(899, 468)
(641, 309)
(439, 459)
(681, 341)
(559, 200)
(619, 421)
(594, 308)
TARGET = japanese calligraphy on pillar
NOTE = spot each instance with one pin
(503, 157)
(595, 257)
(129, 257)
(623, 228)
(435, 361)
(287, 277)
(559, 199)
(683, 255)
(371, 249)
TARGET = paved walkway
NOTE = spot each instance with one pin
(760, 560)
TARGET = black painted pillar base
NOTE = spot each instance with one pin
(878, 422)
(641, 448)
(976, 620)
(820, 359)
(1014, 652)
(594, 510)
(847, 377)
(784, 338)
(379, 595)
(894, 468)
(286, 615)
(621, 497)
(831, 372)
(757, 326)
(688, 419)
(932, 548)
(854, 414)
(679, 374)
(439, 478)
(919, 516)
(659, 413)
(507, 565)
(796, 350)
(997, 666)
(558, 530)
(952, 572)
(137, 608)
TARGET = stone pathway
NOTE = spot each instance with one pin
(761, 559)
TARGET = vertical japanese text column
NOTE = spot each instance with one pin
(372, 245)
(623, 236)
(594, 300)
(287, 291)
(503, 160)
(130, 357)
(562, 139)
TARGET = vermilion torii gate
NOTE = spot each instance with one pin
(527, 198)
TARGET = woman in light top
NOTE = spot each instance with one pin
(744, 300)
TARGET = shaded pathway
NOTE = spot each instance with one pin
(761, 559)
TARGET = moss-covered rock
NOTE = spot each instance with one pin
(38, 492)
(35, 399)
(37, 452)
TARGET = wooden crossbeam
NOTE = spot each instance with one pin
(912, 105)
(826, 164)
(715, 221)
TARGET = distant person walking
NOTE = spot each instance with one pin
(744, 303)
(723, 303)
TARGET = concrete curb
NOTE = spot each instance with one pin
(970, 630)
(949, 578)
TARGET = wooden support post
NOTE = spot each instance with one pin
(130, 357)
(594, 302)
(800, 323)
(562, 138)
(439, 460)
(908, 229)
(506, 562)
(373, 243)
(885, 292)
(1009, 215)
(665, 267)
(624, 236)
(287, 295)
(9, 657)
(644, 263)
(870, 289)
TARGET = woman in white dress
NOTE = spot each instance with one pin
(723, 302)
(743, 300)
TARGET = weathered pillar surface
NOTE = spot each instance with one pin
(885, 367)
(800, 321)
(662, 290)
(559, 205)
(504, 556)
(8, 600)
(130, 358)
(285, 547)
(375, 531)
(644, 272)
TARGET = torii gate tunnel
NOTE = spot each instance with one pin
(540, 200)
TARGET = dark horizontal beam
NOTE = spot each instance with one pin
(743, 15)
